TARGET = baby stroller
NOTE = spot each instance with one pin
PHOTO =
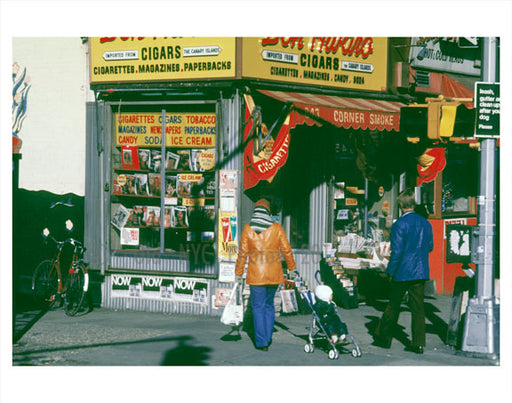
(318, 332)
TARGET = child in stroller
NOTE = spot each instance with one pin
(335, 328)
(327, 323)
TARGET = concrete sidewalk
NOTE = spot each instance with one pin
(105, 337)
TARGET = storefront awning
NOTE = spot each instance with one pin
(355, 113)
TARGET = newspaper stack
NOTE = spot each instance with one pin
(353, 243)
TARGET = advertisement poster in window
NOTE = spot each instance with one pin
(176, 289)
(227, 248)
(226, 272)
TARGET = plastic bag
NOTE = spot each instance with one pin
(233, 313)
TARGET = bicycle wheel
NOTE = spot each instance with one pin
(45, 284)
(78, 282)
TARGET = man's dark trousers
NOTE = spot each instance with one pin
(387, 324)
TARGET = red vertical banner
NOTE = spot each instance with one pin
(274, 155)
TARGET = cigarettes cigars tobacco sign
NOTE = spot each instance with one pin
(181, 130)
(342, 62)
(131, 59)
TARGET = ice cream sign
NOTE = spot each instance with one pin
(181, 130)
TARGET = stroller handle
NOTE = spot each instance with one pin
(318, 280)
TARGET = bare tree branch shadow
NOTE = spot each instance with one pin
(184, 354)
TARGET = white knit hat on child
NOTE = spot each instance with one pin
(323, 292)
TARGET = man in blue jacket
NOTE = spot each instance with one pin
(408, 268)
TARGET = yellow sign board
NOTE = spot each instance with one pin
(182, 130)
(136, 59)
(342, 62)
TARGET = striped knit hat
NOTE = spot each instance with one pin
(261, 218)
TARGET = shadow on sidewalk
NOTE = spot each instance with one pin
(24, 321)
(436, 326)
(24, 357)
(184, 354)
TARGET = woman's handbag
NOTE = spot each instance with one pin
(233, 313)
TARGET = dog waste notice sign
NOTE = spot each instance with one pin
(487, 104)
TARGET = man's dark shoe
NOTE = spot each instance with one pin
(414, 349)
(381, 343)
(262, 348)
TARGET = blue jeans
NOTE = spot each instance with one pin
(262, 303)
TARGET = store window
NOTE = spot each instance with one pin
(163, 195)
(455, 188)
(460, 181)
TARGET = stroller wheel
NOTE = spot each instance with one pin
(309, 348)
(356, 353)
(333, 354)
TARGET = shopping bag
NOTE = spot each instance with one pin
(233, 313)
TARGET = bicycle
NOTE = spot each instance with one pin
(48, 283)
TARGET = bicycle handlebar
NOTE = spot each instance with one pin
(71, 241)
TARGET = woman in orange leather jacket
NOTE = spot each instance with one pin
(261, 245)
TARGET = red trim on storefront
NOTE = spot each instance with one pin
(349, 113)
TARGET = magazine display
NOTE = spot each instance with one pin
(144, 159)
(154, 184)
(156, 160)
(152, 216)
(129, 184)
(170, 186)
(157, 187)
(172, 161)
(195, 164)
(210, 186)
(209, 213)
(141, 184)
(130, 157)
(184, 188)
(120, 217)
(136, 217)
(184, 162)
(179, 217)
(168, 217)
(117, 187)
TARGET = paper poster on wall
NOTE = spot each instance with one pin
(228, 228)
(130, 236)
(227, 202)
(228, 179)
(226, 272)
(121, 217)
(221, 297)
(176, 289)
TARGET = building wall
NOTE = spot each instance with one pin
(53, 132)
